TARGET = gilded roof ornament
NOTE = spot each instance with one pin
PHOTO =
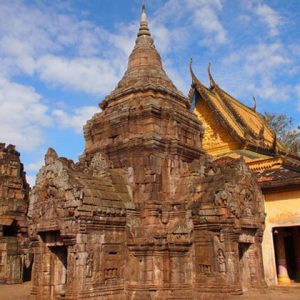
(254, 103)
(195, 80)
(191, 71)
(211, 80)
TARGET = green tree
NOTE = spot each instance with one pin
(286, 132)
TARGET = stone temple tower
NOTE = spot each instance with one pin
(145, 214)
(147, 130)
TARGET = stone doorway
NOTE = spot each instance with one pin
(11, 262)
(287, 254)
(27, 269)
(59, 262)
(245, 275)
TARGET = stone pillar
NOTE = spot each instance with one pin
(296, 237)
(282, 273)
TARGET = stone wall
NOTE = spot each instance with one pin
(14, 200)
(145, 213)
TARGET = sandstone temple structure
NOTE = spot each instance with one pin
(15, 260)
(145, 213)
(234, 130)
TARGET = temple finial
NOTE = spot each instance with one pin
(254, 103)
(144, 30)
(195, 80)
(191, 71)
(211, 80)
(144, 15)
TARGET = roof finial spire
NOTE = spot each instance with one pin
(195, 80)
(254, 103)
(191, 71)
(144, 16)
(144, 30)
(211, 80)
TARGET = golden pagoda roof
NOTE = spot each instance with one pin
(255, 142)
(243, 123)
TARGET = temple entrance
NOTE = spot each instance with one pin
(27, 271)
(59, 259)
(287, 253)
(11, 259)
(245, 276)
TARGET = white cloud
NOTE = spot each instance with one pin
(270, 17)
(49, 44)
(31, 179)
(34, 166)
(22, 115)
(265, 58)
(91, 75)
(75, 119)
(163, 37)
(256, 69)
(195, 15)
(181, 81)
(42, 41)
(206, 17)
(37, 41)
(267, 15)
(122, 42)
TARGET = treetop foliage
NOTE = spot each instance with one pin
(285, 130)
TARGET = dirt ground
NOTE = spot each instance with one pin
(15, 291)
(274, 293)
(21, 292)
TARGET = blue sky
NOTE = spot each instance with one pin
(58, 60)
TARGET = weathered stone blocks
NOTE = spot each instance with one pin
(15, 259)
(145, 213)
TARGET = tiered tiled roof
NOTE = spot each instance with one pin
(253, 138)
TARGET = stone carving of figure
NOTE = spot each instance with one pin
(198, 193)
(89, 265)
(99, 165)
(247, 211)
(221, 261)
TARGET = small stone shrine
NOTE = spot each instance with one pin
(145, 213)
(15, 260)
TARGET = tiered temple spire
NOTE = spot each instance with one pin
(145, 69)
